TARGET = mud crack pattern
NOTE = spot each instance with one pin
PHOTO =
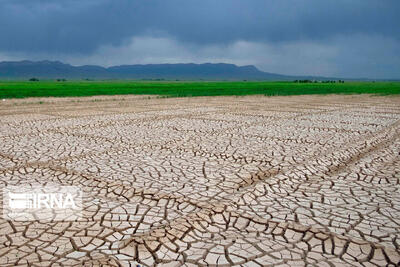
(252, 181)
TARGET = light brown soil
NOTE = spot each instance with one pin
(288, 181)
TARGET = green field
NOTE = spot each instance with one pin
(21, 89)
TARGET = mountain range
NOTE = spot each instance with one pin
(209, 71)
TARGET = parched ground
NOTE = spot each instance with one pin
(253, 181)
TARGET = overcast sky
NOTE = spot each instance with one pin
(342, 38)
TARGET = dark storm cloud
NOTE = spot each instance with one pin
(321, 37)
(82, 26)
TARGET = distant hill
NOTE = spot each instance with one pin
(208, 71)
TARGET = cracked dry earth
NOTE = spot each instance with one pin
(252, 181)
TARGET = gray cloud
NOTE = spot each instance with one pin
(341, 37)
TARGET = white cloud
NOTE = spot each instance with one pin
(291, 58)
(341, 56)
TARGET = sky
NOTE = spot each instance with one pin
(339, 38)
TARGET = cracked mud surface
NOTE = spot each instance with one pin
(252, 181)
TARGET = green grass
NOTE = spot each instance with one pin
(21, 89)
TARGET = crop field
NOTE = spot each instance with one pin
(20, 89)
(205, 181)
